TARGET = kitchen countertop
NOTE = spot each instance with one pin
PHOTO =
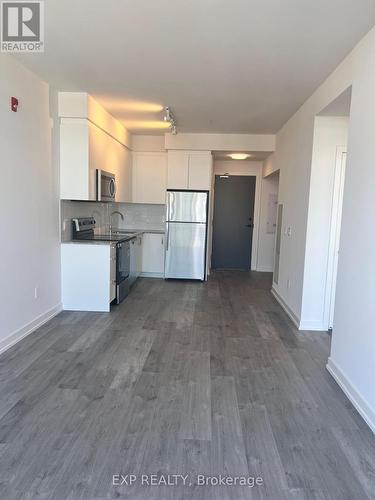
(88, 242)
(153, 231)
(118, 232)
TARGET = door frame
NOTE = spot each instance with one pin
(334, 239)
(258, 188)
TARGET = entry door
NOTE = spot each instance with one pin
(233, 222)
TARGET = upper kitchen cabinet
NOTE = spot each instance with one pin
(178, 170)
(200, 171)
(149, 177)
(91, 139)
(189, 170)
(77, 180)
(108, 154)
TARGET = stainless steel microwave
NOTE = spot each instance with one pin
(105, 186)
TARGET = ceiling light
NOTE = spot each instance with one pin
(239, 156)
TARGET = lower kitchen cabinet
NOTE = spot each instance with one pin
(153, 255)
(88, 276)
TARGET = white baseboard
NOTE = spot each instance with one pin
(313, 325)
(23, 332)
(360, 404)
(294, 318)
(264, 269)
(152, 275)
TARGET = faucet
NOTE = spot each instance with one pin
(116, 212)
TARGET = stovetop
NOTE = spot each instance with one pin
(84, 230)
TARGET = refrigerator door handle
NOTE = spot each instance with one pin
(172, 206)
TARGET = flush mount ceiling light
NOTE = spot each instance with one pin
(169, 117)
(239, 156)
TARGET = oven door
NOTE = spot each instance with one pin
(105, 186)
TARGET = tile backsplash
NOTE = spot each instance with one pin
(136, 216)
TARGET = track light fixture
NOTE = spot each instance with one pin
(169, 117)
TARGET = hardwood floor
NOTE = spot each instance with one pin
(181, 378)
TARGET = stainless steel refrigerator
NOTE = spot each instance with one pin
(186, 234)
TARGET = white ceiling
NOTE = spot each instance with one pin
(228, 66)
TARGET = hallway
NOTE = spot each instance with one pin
(181, 378)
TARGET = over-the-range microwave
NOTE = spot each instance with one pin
(105, 186)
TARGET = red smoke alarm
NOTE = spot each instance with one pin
(14, 104)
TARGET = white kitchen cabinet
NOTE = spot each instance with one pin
(88, 276)
(178, 170)
(84, 147)
(200, 171)
(153, 255)
(77, 180)
(189, 170)
(149, 177)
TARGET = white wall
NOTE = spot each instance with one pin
(266, 244)
(329, 134)
(353, 343)
(270, 165)
(29, 249)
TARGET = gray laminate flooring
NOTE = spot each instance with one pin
(181, 378)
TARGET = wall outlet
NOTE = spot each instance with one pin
(288, 284)
(36, 292)
(289, 231)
